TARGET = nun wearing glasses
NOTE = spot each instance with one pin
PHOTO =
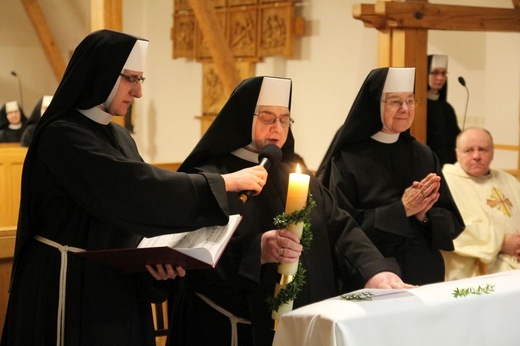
(389, 182)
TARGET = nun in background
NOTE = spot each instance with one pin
(85, 187)
(389, 182)
(12, 122)
(442, 126)
(34, 119)
(214, 307)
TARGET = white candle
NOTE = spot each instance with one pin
(297, 193)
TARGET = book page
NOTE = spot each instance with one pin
(199, 243)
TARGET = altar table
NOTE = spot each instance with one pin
(427, 315)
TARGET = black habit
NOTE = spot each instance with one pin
(368, 179)
(240, 284)
(442, 127)
(84, 185)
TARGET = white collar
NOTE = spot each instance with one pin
(247, 155)
(385, 137)
(97, 115)
(15, 126)
(432, 96)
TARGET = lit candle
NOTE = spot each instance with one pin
(296, 200)
(297, 191)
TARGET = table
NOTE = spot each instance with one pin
(427, 315)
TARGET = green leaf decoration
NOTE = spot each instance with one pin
(464, 292)
(290, 292)
(358, 296)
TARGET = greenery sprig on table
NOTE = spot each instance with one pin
(293, 288)
(358, 296)
(464, 292)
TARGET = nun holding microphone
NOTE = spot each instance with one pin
(228, 305)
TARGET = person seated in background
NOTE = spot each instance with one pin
(35, 117)
(12, 122)
(390, 182)
(442, 127)
(213, 307)
(489, 201)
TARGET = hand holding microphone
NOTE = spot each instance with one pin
(269, 156)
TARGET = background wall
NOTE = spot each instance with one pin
(330, 64)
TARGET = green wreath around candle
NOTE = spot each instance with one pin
(290, 292)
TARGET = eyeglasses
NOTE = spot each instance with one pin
(132, 79)
(398, 103)
(442, 73)
(270, 119)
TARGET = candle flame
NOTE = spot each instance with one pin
(298, 169)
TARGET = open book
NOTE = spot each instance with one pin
(199, 249)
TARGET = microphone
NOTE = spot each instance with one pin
(463, 83)
(269, 156)
(13, 73)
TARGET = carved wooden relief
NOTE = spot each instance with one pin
(242, 28)
(214, 98)
(275, 31)
(184, 35)
(254, 29)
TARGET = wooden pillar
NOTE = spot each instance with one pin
(106, 14)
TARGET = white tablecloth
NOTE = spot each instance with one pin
(427, 315)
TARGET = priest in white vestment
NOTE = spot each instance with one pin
(489, 202)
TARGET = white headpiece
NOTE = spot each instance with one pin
(399, 79)
(137, 57)
(11, 106)
(439, 61)
(46, 101)
(274, 92)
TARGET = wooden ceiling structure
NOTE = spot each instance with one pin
(402, 34)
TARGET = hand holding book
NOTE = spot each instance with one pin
(199, 249)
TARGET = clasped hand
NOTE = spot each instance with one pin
(421, 196)
(280, 246)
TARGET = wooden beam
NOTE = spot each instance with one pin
(386, 14)
(49, 45)
(217, 44)
(106, 14)
(367, 14)
(447, 17)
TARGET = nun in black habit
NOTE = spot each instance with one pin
(213, 307)
(34, 119)
(12, 122)
(85, 187)
(442, 127)
(389, 182)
